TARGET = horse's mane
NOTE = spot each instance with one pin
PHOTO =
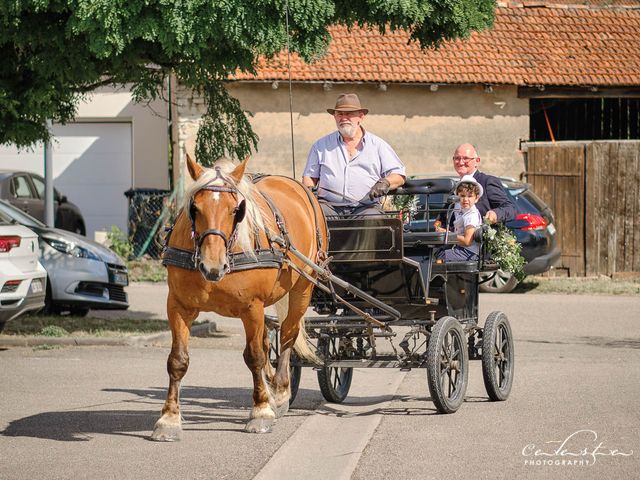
(253, 218)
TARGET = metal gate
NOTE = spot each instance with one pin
(593, 189)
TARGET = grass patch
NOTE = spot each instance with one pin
(580, 286)
(53, 331)
(57, 326)
(46, 346)
(146, 270)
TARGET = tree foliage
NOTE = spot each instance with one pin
(55, 51)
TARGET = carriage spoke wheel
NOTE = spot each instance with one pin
(295, 372)
(447, 365)
(497, 356)
(334, 381)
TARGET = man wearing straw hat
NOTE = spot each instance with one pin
(352, 168)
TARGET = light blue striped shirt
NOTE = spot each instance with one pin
(344, 182)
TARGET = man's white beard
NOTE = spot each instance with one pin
(347, 130)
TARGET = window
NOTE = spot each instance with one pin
(584, 119)
(20, 187)
(39, 184)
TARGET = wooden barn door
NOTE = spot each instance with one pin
(557, 175)
(613, 207)
(594, 191)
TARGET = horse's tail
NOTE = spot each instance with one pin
(302, 346)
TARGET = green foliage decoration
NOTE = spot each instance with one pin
(504, 249)
(406, 205)
(56, 51)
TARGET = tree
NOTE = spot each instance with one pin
(56, 51)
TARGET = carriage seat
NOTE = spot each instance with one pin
(420, 239)
(425, 186)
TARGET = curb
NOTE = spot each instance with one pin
(207, 329)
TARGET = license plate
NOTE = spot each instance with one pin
(120, 278)
(36, 285)
(552, 229)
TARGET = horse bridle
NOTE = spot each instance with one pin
(239, 214)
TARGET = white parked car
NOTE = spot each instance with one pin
(23, 280)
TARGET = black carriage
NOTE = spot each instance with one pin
(383, 284)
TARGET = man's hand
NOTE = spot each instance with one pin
(491, 216)
(380, 189)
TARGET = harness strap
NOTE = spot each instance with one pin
(178, 257)
(315, 217)
(279, 220)
(256, 237)
(319, 242)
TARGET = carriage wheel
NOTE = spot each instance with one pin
(497, 356)
(295, 372)
(334, 381)
(447, 365)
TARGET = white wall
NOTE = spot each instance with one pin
(91, 166)
(113, 145)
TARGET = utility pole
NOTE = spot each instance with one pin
(48, 180)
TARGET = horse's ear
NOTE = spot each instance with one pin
(238, 172)
(195, 170)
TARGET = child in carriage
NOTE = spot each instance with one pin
(467, 219)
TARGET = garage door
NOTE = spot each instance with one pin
(91, 166)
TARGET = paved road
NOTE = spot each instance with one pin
(85, 412)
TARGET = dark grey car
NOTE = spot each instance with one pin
(533, 227)
(25, 190)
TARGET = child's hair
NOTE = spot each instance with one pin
(468, 187)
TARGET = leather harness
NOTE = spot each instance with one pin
(240, 261)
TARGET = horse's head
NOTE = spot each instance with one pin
(215, 208)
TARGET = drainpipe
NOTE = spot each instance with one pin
(48, 179)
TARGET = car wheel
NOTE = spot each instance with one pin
(78, 311)
(49, 308)
(501, 282)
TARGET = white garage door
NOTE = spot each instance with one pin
(91, 166)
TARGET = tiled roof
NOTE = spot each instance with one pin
(550, 45)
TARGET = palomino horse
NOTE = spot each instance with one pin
(225, 214)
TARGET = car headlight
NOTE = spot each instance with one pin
(71, 248)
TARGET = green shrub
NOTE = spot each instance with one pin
(119, 243)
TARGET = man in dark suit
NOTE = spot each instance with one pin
(496, 204)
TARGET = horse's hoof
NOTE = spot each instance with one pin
(282, 409)
(259, 425)
(164, 432)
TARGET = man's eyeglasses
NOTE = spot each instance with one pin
(463, 159)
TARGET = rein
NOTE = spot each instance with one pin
(239, 214)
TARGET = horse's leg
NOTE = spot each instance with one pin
(262, 415)
(266, 345)
(299, 298)
(169, 427)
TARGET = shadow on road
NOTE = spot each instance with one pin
(217, 408)
(426, 408)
